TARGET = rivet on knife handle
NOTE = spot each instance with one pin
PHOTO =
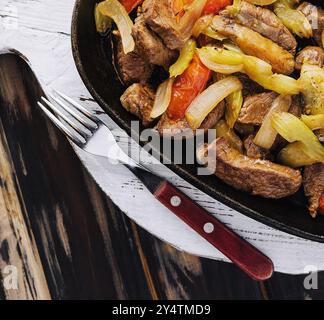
(239, 251)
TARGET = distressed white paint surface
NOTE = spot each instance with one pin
(40, 29)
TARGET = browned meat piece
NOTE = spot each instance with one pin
(158, 14)
(320, 135)
(249, 86)
(253, 43)
(138, 99)
(254, 151)
(258, 177)
(214, 116)
(256, 107)
(312, 55)
(168, 126)
(296, 106)
(244, 129)
(313, 180)
(150, 46)
(264, 22)
(315, 16)
(132, 67)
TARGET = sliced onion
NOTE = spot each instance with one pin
(201, 25)
(218, 67)
(209, 99)
(211, 33)
(293, 129)
(266, 135)
(116, 11)
(190, 17)
(162, 98)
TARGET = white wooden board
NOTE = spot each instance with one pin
(40, 29)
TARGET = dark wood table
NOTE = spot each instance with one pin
(69, 241)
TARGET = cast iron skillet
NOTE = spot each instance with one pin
(92, 54)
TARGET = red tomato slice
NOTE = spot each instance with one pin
(186, 88)
(321, 204)
(214, 6)
(130, 5)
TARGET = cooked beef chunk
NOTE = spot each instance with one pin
(296, 106)
(253, 43)
(249, 86)
(214, 116)
(258, 177)
(315, 16)
(158, 14)
(167, 126)
(254, 151)
(244, 129)
(313, 180)
(138, 99)
(132, 67)
(320, 135)
(150, 46)
(256, 107)
(264, 22)
(312, 55)
(174, 127)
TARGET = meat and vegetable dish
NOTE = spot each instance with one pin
(251, 70)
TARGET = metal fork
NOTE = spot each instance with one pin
(84, 126)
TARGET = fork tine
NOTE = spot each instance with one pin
(90, 124)
(86, 112)
(80, 129)
(62, 127)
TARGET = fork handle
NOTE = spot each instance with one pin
(238, 250)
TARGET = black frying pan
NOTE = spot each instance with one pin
(92, 54)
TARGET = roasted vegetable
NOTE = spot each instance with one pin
(186, 55)
(293, 156)
(293, 19)
(227, 62)
(221, 61)
(214, 6)
(209, 99)
(312, 86)
(103, 23)
(293, 129)
(314, 122)
(266, 135)
(234, 104)
(130, 5)
(260, 72)
(186, 87)
(162, 98)
(201, 25)
(321, 204)
(252, 43)
(223, 130)
(116, 11)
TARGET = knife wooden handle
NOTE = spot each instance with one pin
(238, 250)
